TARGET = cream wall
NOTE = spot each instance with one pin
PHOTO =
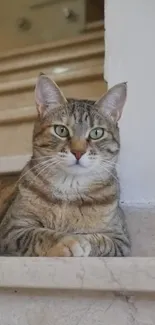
(130, 56)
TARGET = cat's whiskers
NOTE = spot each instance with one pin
(110, 172)
(42, 158)
(109, 162)
(37, 166)
(46, 166)
(49, 161)
(28, 171)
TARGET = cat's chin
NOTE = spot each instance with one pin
(77, 169)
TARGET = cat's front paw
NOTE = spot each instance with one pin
(75, 245)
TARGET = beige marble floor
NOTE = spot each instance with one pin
(84, 291)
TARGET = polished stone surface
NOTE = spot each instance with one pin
(84, 291)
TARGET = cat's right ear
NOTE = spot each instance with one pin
(47, 95)
(112, 103)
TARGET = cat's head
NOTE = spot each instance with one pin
(77, 137)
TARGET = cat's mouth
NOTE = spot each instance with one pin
(77, 165)
(78, 169)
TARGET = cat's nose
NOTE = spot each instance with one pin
(78, 154)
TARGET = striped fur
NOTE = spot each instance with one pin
(63, 208)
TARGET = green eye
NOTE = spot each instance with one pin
(61, 130)
(96, 133)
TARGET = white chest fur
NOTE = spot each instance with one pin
(70, 187)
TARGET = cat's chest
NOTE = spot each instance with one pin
(76, 209)
(70, 188)
(71, 217)
(72, 207)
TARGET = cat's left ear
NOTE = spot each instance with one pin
(47, 95)
(111, 104)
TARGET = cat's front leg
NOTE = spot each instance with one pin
(36, 241)
(71, 245)
(110, 244)
(97, 244)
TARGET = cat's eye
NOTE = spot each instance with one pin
(61, 131)
(96, 133)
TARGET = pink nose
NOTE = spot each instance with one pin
(77, 154)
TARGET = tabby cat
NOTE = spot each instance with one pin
(67, 198)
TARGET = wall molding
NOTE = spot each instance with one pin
(13, 164)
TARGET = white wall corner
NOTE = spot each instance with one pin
(130, 56)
